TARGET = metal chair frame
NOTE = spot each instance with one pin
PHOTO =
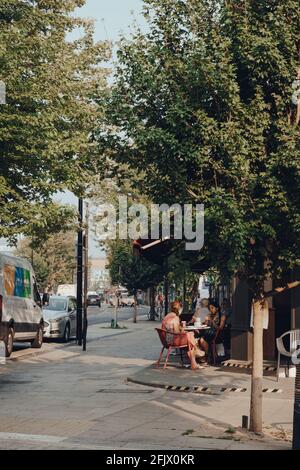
(294, 345)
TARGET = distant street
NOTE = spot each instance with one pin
(105, 314)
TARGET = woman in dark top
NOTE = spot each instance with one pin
(216, 321)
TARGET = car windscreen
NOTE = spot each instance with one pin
(93, 296)
(58, 305)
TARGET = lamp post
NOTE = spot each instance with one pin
(79, 273)
(86, 275)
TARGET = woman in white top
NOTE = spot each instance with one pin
(201, 311)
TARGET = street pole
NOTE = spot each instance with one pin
(86, 275)
(79, 273)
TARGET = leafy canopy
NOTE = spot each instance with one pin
(47, 125)
(53, 261)
(202, 106)
(130, 271)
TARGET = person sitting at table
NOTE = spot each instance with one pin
(201, 312)
(171, 323)
(226, 310)
(216, 321)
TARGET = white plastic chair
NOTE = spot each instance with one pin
(294, 345)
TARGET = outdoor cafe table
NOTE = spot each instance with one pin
(196, 328)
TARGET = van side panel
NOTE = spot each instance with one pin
(19, 307)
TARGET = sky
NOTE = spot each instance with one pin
(112, 16)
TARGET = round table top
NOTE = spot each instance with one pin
(196, 328)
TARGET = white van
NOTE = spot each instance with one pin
(21, 316)
(67, 290)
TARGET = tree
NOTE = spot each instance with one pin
(53, 260)
(47, 124)
(202, 105)
(131, 271)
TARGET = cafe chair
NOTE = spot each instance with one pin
(170, 341)
(293, 346)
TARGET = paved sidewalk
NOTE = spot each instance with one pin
(62, 398)
(210, 380)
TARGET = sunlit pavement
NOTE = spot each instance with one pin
(61, 397)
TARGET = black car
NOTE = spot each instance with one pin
(94, 299)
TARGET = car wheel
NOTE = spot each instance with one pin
(9, 342)
(67, 333)
(38, 341)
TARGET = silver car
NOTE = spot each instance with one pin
(60, 318)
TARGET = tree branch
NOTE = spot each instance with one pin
(280, 290)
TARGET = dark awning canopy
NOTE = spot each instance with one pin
(157, 251)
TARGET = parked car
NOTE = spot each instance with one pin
(127, 300)
(21, 316)
(60, 318)
(94, 299)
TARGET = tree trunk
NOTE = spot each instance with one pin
(116, 311)
(256, 424)
(296, 433)
(166, 287)
(135, 309)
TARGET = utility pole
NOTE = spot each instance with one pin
(86, 274)
(79, 273)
